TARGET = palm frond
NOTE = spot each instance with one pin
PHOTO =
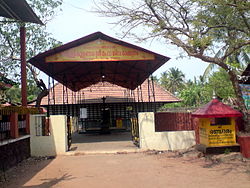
(209, 69)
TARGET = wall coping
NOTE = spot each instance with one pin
(5, 142)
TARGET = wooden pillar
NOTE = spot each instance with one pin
(14, 125)
(196, 124)
(23, 65)
(27, 119)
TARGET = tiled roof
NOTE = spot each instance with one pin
(112, 93)
(216, 109)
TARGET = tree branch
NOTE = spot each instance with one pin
(235, 48)
(222, 26)
(162, 24)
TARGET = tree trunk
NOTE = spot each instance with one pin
(240, 100)
(43, 93)
(40, 84)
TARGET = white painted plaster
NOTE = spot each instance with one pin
(169, 140)
(52, 145)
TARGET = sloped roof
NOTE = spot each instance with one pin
(98, 57)
(18, 10)
(216, 109)
(113, 94)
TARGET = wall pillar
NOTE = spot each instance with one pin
(23, 65)
(27, 120)
(14, 125)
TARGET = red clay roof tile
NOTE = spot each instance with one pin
(113, 94)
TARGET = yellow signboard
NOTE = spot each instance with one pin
(217, 135)
(99, 50)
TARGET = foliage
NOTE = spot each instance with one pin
(199, 92)
(238, 60)
(192, 96)
(37, 41)
(172, 80)
(220, 83)
(5, 80)
(173, 105)
(195, 93)
(13, 94)
(198, 27)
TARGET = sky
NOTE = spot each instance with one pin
(76, 21)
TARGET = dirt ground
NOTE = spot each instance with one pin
(147, 169)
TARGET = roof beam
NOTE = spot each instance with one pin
(9, 11)
(18, 10)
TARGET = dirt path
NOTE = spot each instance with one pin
(140, 170)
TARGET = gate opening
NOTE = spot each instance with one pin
(85, 67)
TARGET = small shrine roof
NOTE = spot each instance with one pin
(216, 109)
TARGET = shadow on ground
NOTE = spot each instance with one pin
(25, 171)
(51, 182)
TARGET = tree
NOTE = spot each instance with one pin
(200, 28)
(172, 80)
(191, 96)
(199, 91)
(13, 95)
(37, 41)
(239, 60)
(219, 82)
(195, 93)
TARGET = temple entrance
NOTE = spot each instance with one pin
(102, 143)
(86, 69)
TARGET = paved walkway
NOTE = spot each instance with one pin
(95, 143)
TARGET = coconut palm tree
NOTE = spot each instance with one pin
(173, 80)
(237, 61)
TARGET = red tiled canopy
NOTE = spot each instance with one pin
(79, 64)
(216, 109)
(113, 94)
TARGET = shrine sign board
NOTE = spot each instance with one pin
(99, 50)
(217, 135)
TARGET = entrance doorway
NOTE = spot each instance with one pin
(103, 143)
(95, 59)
